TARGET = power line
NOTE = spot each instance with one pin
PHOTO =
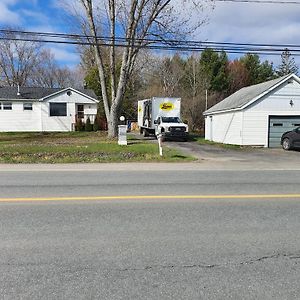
(153, 44)
(152, 40)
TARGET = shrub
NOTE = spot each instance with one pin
(79, 126)
(88, 125)
(96, 126)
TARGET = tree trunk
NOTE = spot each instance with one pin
(112, 121)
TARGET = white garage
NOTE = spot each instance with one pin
(256, 115)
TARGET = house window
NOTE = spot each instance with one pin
(7, 106)
(0, 105)
(27, 106)
(58, 109)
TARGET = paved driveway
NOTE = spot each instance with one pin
(246, 157)
(214, 156)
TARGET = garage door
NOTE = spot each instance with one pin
(279, 125)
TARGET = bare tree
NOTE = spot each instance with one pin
(17, 59)
(27, 63)
(48, 73)
(194, 89)
(171, 73)
(136, 21)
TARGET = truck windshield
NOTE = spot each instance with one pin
(171, 120)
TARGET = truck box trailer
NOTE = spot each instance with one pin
(161, 116)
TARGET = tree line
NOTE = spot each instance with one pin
(201, 80)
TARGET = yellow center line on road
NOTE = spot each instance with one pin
(152, 197)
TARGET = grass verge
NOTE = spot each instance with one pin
(79, 147)
(202, 141)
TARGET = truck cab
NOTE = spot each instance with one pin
(171, 128)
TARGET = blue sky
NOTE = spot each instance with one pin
(230, 22)
(41, 16)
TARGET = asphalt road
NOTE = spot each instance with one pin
(165, 246)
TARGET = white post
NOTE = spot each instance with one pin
(159, 139)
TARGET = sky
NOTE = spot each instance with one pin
(227, 22)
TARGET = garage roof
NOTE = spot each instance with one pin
(247, 95)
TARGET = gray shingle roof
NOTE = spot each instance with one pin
(244, 95)
(36, 93)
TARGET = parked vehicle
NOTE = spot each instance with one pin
(161, 116)
(291, 139)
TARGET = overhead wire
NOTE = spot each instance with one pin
(153, 44)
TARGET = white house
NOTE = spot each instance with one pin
(256, 115)
(45, 109)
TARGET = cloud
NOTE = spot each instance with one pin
(37, 16)
(253, 23)
(65, 55)
(7, 16)
(70, 6)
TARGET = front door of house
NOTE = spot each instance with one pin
(80, 111)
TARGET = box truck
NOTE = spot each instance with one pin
(161, 116)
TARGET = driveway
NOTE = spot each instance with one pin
(267, 158)
(215, 156)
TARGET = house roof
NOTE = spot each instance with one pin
(37, 93)
(247, 95)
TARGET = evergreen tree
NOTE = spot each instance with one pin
(213, 68)
(266, 72)
(252, 64)
(257, 72)
(287, 65)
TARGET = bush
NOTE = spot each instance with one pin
(88, 125)
(96, 126)
(79, 126)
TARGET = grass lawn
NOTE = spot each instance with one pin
(202, 141)
(79, 147)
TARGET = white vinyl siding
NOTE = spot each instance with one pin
(277, 103)
(224, 128)
(65, 123)
(279, 99)
(19, 120)
(38, 119)
(255, 129)
(251, 125)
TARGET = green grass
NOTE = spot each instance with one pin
(202, 141)
(79, 147)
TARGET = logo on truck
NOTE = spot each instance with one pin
(166, 106)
